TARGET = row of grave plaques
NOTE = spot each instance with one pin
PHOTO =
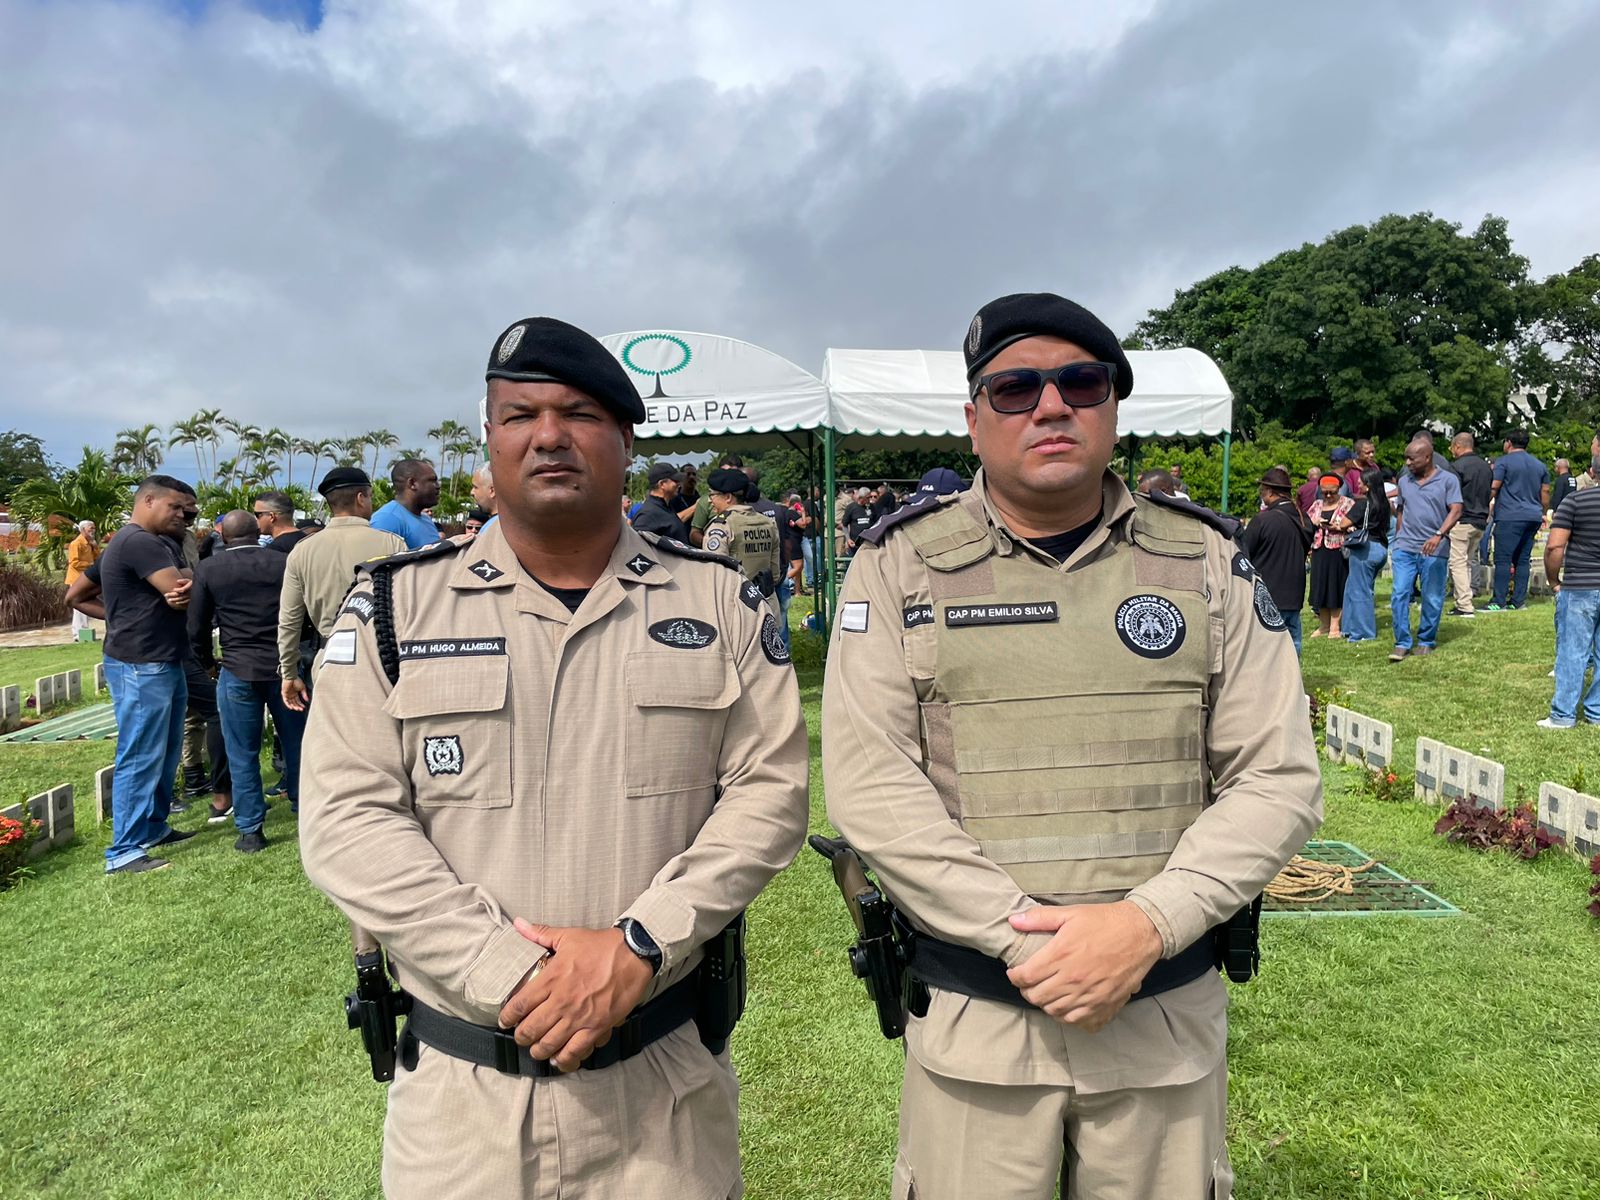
(64, 687)
(53, 811)
(1446, 774)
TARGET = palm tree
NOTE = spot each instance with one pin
(347, 452)
(95, 490)
(278, 445)
(303, 446)
(138, 450)
(208, 421)
(380, 440)
(465, 448)
(443, 433)
(411, 452)
(317, 447)
(190, 433)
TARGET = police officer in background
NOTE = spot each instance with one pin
(1066, 727)
(740, 532)
(546, 766)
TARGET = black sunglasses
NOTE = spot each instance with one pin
(1080, 384)
(265, 513)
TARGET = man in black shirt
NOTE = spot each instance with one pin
(659, 513)
(145, 587)
(274, 514)
(858, 519)
(236, 590)
(1276, 543)
(1477, 481)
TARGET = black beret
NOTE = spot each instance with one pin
(343, 477)
(730, 480)
(545, 350)
(1009, 319)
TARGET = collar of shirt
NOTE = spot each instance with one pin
(339, 522)
(1116, 509)
(633, 561)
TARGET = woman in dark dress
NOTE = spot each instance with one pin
(1328, 567)
(1370, 512)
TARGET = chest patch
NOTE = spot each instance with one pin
(957, 616)
(486, 570)
(918, 614)
(772, 642)
(453, 648)
(683, 633)
(1151, 626)
(1267, 611)
(442, 755)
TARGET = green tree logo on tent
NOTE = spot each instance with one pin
(663, 349)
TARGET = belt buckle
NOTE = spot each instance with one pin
(507, 1054)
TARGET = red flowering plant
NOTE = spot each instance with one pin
(15, 838)
(1389, 785)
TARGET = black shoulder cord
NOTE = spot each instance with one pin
(383, 625)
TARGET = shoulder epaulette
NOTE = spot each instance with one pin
(432, 550)
(1227, 526)
(919, 505)
(684, 550)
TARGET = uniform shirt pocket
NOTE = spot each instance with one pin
(456, 730)
(679, 701)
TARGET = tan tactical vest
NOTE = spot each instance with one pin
(1065, 727)
(752, 541)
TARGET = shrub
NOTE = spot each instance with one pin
(27, 599)
(15, 838)
(1485, 829)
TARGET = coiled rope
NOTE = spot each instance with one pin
(1302, 877)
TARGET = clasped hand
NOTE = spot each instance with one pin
(1092, 966)
(584, 989)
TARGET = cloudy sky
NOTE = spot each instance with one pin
(318, 215)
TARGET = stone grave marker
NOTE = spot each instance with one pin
(74, 686)
(1455, 769)
(10, 708)
(62, 820)
(1584, 836)
(1486, 784)
(1430, 756)
(1556, 807)
(44, 693)
(1333, 733)
(1371, 742)
(102, 795)
(99, 677)
(39, 810)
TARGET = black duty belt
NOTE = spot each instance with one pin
(954, 968)
(497, 1048)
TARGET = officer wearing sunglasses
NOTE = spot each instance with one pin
(1066, 728)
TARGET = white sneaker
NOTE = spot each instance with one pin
(1547, 723)
(1552, 672)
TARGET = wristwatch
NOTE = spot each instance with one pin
(637, 938)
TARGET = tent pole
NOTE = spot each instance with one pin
(813, 533)
(1133, 462)
(829, 468)
(1227, 452)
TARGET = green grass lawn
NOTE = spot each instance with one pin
(23, 667)
(181, 1034)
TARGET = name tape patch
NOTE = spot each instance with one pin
(918, 614)
(683, 633)
(1039, 612)
(1150, 626)
(453, 648)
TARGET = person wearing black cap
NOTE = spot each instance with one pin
(1066, 728)
(569, 722)
(659, 513)
(738, 531)
(1276, 541)
(319, 573)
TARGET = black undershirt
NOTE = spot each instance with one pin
(571, 597)
(1060, 546)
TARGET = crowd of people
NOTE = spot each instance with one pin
(1433, 522)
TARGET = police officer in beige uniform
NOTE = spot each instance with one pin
(739, 531)
(545, 768)
(321, 569)
(1067, 729)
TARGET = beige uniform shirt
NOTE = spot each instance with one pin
(320, 571)
(1265, 780)
(645, 756)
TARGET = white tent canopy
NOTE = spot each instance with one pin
(700, 386)
(917, 396)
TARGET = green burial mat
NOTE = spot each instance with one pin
(1375, 891)
(84, 724)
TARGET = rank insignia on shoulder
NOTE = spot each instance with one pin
(486, 570)
(1243, 567)
(640, 565)
(772, 642)
(683, 633)
(750, 593)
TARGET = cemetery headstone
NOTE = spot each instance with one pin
(74, 685)
(1585, 832)
(1557, 805)
(10, 708)
(44, 693)
(99, 677)
(102, 795)
(1430, 757)
(39, 810)
(1371, 742)
(62, 820)
(1486, 784)
(1333, 733)
(1455, 769)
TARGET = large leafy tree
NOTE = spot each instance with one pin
(22, 458)
(94, 490)
(1566, 335)
(1371, 332)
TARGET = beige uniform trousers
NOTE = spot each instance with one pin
(662, 1125)
(1464, 541)
(960, 1140)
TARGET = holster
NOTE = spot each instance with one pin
(722, 987)
(1238, 943)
